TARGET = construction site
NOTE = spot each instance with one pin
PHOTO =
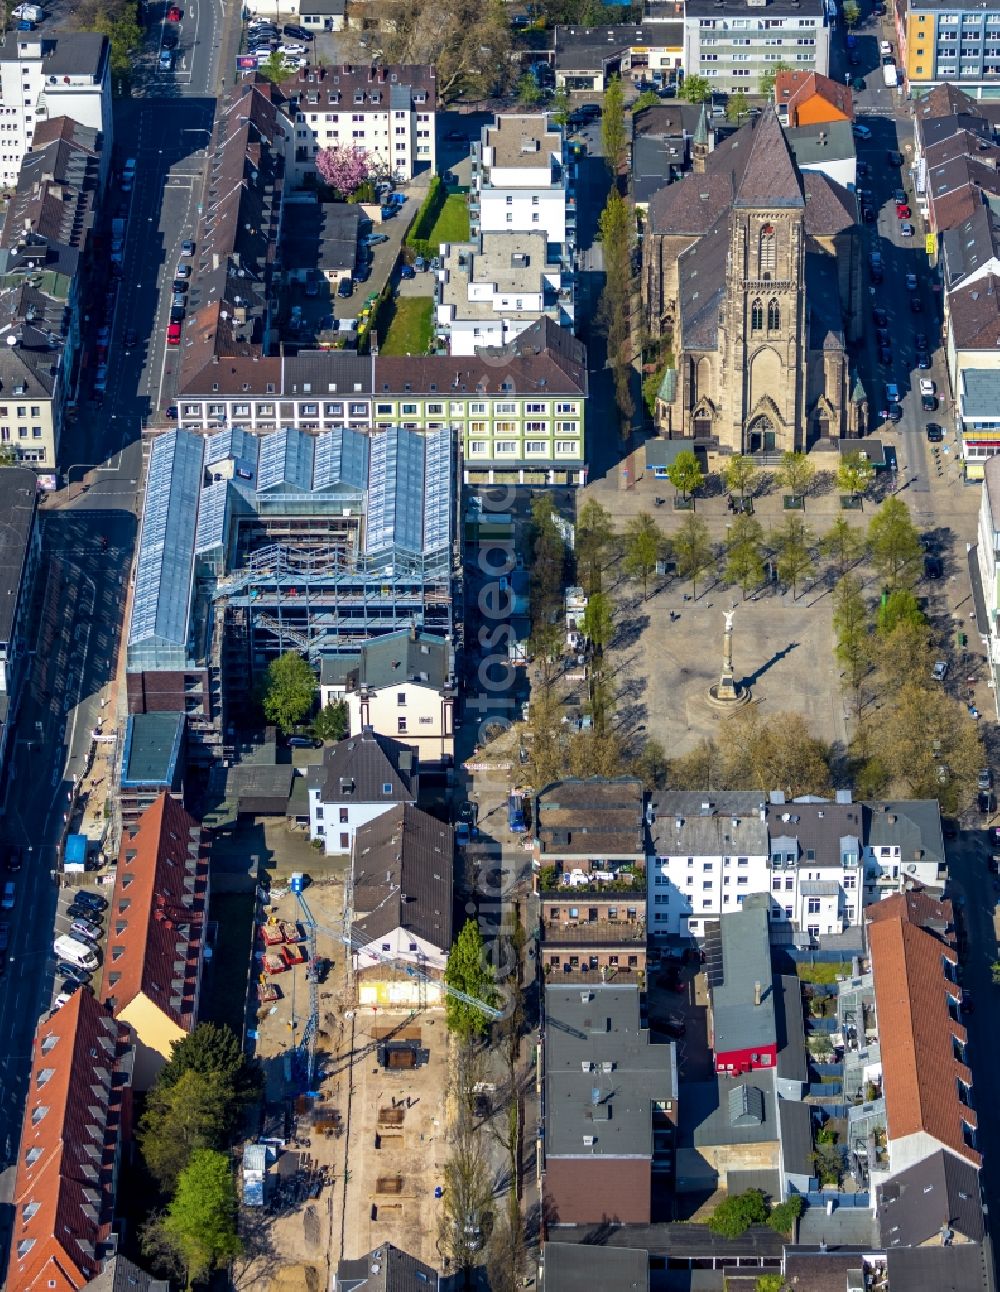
(344, 1084)
(255, 545)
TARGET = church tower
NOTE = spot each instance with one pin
(764, 319)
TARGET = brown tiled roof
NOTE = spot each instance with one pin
(944, 101)
(591, 818)
(402, 876)
(78, 1106)
(974, 311)
(829, 207)
(955, 189)
(916, 1031)
(156, 920)
(795, 88)
(770, 178)
(347, 80)
(917, 908)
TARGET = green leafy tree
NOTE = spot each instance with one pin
(741, 476)
(903, 653)
(737, 107)
(276, 68)
(200, 1224)
(765, 84)
(685, 473)
(843, 544)
(693, 550)
(855, 475)
(647, 99)
(769, 1282)
(796, 474)
(794, 557)
(179, 1119)
(529, 92)
(469, 971)
(744, 554)
(695, 89)
(561, 107)
(288, 691)
(121, 26)
(597, 623)
(595, 537)
(214, 1051)
(783, 1217)
(900, 606)
(894, 544)
(333, 722)
(852, 13)
(853, 649)
(614, 134)
(734, 1215)
(652, 765)
(644, 546)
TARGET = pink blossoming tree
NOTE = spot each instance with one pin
(344, 169)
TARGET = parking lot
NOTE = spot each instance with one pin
(81, 915)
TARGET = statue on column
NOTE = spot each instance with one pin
(727, 691)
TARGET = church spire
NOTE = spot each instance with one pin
(700, 142)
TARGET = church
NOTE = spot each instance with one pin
(753, 268)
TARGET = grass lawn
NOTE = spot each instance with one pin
(452, 224)
(825, 973)
(409, 325)
(223, 998)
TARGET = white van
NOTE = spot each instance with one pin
(77, 953)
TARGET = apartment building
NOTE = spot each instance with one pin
(401, 685)
(401, 907)
(925, 1077)
(77, 1114)
(611, 1106)
(941, 43)
(388, 111)
(734, 42)
(819, 862)
(43, 77)
(489, 291)
(522, 181)
(359, 780)
(156, 933)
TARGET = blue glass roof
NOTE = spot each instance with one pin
(286, 461)
(341, 459)
(212, 516)
(396, 492)
(165, 569)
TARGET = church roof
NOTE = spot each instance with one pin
(752, 167)
(702, 281)
(828, 205)
(770, 178)
(826, 331)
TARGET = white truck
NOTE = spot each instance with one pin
(77, 953)
(29, 12)
(890, 74)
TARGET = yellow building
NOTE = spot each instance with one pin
(156, 932)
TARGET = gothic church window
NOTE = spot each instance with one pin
(773, 316)
(768, 251)
(756, 316)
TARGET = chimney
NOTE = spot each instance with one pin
(756, 993)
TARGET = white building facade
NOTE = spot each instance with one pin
(388, 111)
(44, 77)
(522, 181)
(734, 42)
(819, 862)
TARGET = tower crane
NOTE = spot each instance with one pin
(360, 946)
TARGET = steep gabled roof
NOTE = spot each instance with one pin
(78, 1100)
(974, 314)
(939, 1193)
(402, 876)
(921, 1074)
(369, 768)
(770, 178)
(157, 914)
(793, 89)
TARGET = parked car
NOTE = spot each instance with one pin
(905, 229)
(985, 779)
(303, 742)
(373, 239)
(920, 340)
(93, 899)
(187, 247)
(911, 281)
(301, 33)
(903, 211)
(935, 433)
(177, 314)
(916, 304)
(895, 158)
(66, 970)
(86, 929)
(860, 131)
(169, 38)
(131, 338)
(929, 403)
(407, 271)
(182, 271)
(895, 412)
(881, 317)
(177, 300)
(9, 896)
(463, 836)
(927, 386)
(923, 359)
(174, 332)
(940, 670)
(884, 47)
(175, 13)
(345, 287)
(420, 265)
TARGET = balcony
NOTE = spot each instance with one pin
(604, 883)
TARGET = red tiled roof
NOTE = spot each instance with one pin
(794, 88)
(157, 914)
(915, 908)
(78, 1108)
(916, 1029)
